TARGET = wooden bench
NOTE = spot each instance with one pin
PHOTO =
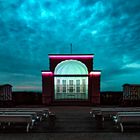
(15, 118)
(34, 114)
(42, 113)
(110, 112)
(125, 118)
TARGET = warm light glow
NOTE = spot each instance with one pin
(95, 73)
(71, 56)
(47, 73)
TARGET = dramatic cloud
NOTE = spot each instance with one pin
(32, 29)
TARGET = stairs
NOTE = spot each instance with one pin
(72, 119)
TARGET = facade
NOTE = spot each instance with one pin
(71, 81)
(5, 92)
(131, 92)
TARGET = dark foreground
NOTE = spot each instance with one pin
(70, 136)
(71, 123)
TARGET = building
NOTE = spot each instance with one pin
(131, 92)
(71, 80)
(111, 97)
(5, 92)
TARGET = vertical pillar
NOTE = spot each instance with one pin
(95, 87)
(47, 88)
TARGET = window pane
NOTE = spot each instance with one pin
(70, 89)
(77, 89)
(64, 82)
(58, 81)
(71, 82)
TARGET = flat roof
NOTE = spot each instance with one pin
(71, 55)
(4, 85)
(131, 85)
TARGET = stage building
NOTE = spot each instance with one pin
(71, 80)
(6, 95)
(131, 92)
(6, 92)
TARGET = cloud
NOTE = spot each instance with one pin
(30, 30)
(27, 88)
(133, 65)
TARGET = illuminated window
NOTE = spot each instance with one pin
(71, 89)
(71, 80)
(58, 85)
(64, 85)
(77, 85)
(83, 85)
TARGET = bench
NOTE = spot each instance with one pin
(125, 118)
(15, 118)
(103, 113)
(109, 112)
(34, 114)
(42, 113)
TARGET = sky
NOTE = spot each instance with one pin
(32, 29)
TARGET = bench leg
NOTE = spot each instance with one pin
(122, 129)
(46, 116)
(103, 118)
(9, 123)
(28, 126)
(33, 122)
(40, 119)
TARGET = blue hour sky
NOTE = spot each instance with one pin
(32, 29)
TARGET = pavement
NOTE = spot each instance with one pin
(71, 123)
(70, 136)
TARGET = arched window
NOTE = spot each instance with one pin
(71, 80)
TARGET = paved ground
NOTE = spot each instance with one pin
(72, 123)
(70, 136)
(75, 120)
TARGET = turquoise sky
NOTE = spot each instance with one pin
(32, 29)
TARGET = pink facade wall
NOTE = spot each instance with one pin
(95, 89)
(48, 83)
(47, 88)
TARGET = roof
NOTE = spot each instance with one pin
(71, 67)
(138, 85)
(4, 85)
(71, 54)
(81, 56)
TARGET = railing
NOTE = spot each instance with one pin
(75, 96)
